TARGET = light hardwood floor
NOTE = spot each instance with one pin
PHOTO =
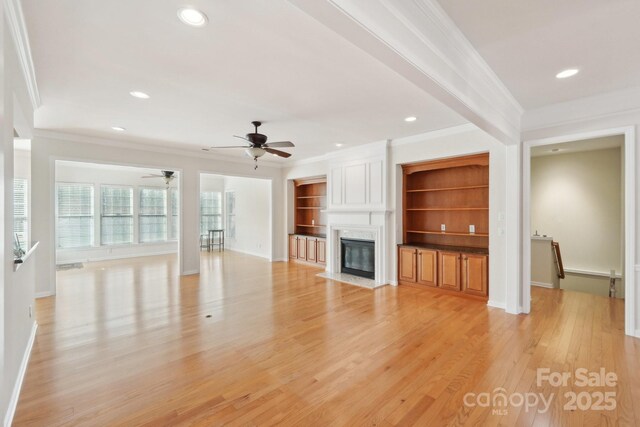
(252, 343)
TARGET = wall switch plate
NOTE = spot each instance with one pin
(472, 228)
(443, 227)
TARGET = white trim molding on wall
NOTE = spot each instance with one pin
(630, 324)
(15, 395)
(18, 30)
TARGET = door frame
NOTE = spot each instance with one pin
(629, 154)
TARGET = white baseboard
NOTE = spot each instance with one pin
(13, 403)
(393, 282)
(543, 285)
(190, 272)
(280, 260)
(44, 294)
(248, 253)
(497, 304)
(637, 333)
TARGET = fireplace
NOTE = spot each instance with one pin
(357, 257)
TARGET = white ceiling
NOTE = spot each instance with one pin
(603, 143)
(527, 42)
(256, 60)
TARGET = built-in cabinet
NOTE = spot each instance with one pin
(462, 272)
(307, 248)
(445, 216)
(310, 202)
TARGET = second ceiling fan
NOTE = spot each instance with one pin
(258, 145)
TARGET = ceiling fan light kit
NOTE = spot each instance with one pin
(258, 145)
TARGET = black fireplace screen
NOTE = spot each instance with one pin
(358, 257)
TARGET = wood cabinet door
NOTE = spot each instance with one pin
(449, 270)
(302, 247)
(293, 246)
(427, 267)
(407, 271)
(321, 251)
(311, 249)
(475, 274)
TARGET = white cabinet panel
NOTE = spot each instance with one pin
(355, 181)
(375, 183)
(336, 186)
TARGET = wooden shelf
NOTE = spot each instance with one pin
(309, 225)
(448, 233)
(447, 209)
(310, 197)
(468, 187)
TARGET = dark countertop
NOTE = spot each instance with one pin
(481, 251)
(319, 236)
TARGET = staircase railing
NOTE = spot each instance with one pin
(558, 259)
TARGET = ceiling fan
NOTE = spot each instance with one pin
(168, 176)
(258, 145)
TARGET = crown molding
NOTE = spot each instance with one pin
(602, 106)
(116, 143)
(18, 30)
(440, 133)
(416, 39)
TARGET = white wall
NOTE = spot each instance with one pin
(47, 147)
(577, 199)
(16, 288)
(98, 175)
(253, 218)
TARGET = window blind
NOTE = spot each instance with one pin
(210, 211)
(231, 214)
(175, 208)
(116, 219)
(74, 215)
(153, 215)
(20, 211)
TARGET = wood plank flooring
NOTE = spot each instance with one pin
(247, 342)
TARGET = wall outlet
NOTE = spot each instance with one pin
(472, 228)
(443, 227)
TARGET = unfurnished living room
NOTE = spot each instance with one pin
(320, 212)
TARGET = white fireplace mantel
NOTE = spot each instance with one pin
(366, 232)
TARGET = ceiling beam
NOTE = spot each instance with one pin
(419, 41)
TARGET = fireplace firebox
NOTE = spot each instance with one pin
(357, 257)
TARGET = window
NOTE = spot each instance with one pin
(20, 211)
(231, 214)
(116, 220)
(153, 215)
(210, 211)
(175, 208)
(74, 215)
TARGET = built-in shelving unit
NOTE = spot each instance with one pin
(310, 201)
(451, 192)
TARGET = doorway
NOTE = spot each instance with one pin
(623, 261)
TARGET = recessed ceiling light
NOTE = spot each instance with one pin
(339, 145)
(138, 94)
(567, 73)
(193, 17)
(410, 119)
(555, 150)
(118, 128)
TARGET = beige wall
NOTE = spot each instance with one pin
(577, 199)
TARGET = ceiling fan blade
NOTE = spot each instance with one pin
(279, 144)
(241, 137)
(232, 146)
(277, 152)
